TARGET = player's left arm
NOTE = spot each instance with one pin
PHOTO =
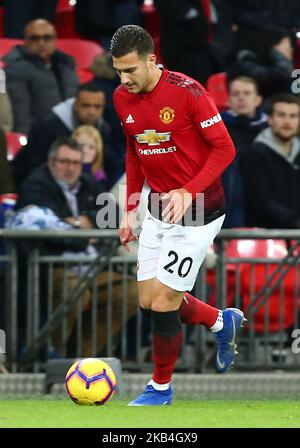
(206, 117)
(210, 125)
(179, 201)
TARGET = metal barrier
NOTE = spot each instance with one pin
(75, 306)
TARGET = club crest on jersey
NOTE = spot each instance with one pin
(167, 115)
(151, 137)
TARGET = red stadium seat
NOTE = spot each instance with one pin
(297, 54)
(280, 311)
(65, 20)
(257, 273)
(217, 87)
(83, 51)
(1, 22)
(85, 75)
(157, 50)
(6, 44)
(14, 142)
(151, 18)
(64, 5)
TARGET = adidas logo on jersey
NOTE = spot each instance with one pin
(129, 119)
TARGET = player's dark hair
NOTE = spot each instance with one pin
(129, 38)
(288, 98)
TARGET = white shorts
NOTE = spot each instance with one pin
(172, 253)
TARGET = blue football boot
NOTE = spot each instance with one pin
(153, 397)
(233, 320)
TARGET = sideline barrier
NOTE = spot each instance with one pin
(97, 313)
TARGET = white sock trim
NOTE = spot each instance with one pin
(218, 325)
(159, 386)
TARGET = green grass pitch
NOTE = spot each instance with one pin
(50, 412)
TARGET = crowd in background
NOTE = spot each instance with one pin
(253, 42)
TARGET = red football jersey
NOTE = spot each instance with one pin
(175, 138)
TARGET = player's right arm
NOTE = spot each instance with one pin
(126, 229)
(134, 182)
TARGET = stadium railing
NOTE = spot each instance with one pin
(252, 269)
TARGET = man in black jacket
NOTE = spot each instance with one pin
(271, 169)
(38, 75)
(61, 187)
(86, 108)
(244, 120)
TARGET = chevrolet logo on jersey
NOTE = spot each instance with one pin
(151, 137)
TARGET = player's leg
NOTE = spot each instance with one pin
(189, 247)
(161, 303)
(167, 338)
(224, 323)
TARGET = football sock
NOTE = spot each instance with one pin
(194, 311)
(158, 386)
(166, 344)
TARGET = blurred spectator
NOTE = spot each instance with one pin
(268, 59)
(99, 19)
(91, 142)
(19, 12)
(6, 113)
(223, 37)
(70, 195)
(6, 179)
(107, 80)
(249, 16)
(86, 108)
(271, 169)
(184, 38)
(61, 186)
(244, 120)
(38, 76)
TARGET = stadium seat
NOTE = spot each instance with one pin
(65, 20)
(6, 44)
(65, 5)
(151, 18)
(217, 86)
(1, 22)
(280, 311)
(253, 277)
(83, 51)
(297, 54)
(84, 75)
(14, 142)
(157, 50)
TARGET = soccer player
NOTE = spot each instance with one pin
(177, 142)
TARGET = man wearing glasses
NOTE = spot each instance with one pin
(60, 185)
(38, 75)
